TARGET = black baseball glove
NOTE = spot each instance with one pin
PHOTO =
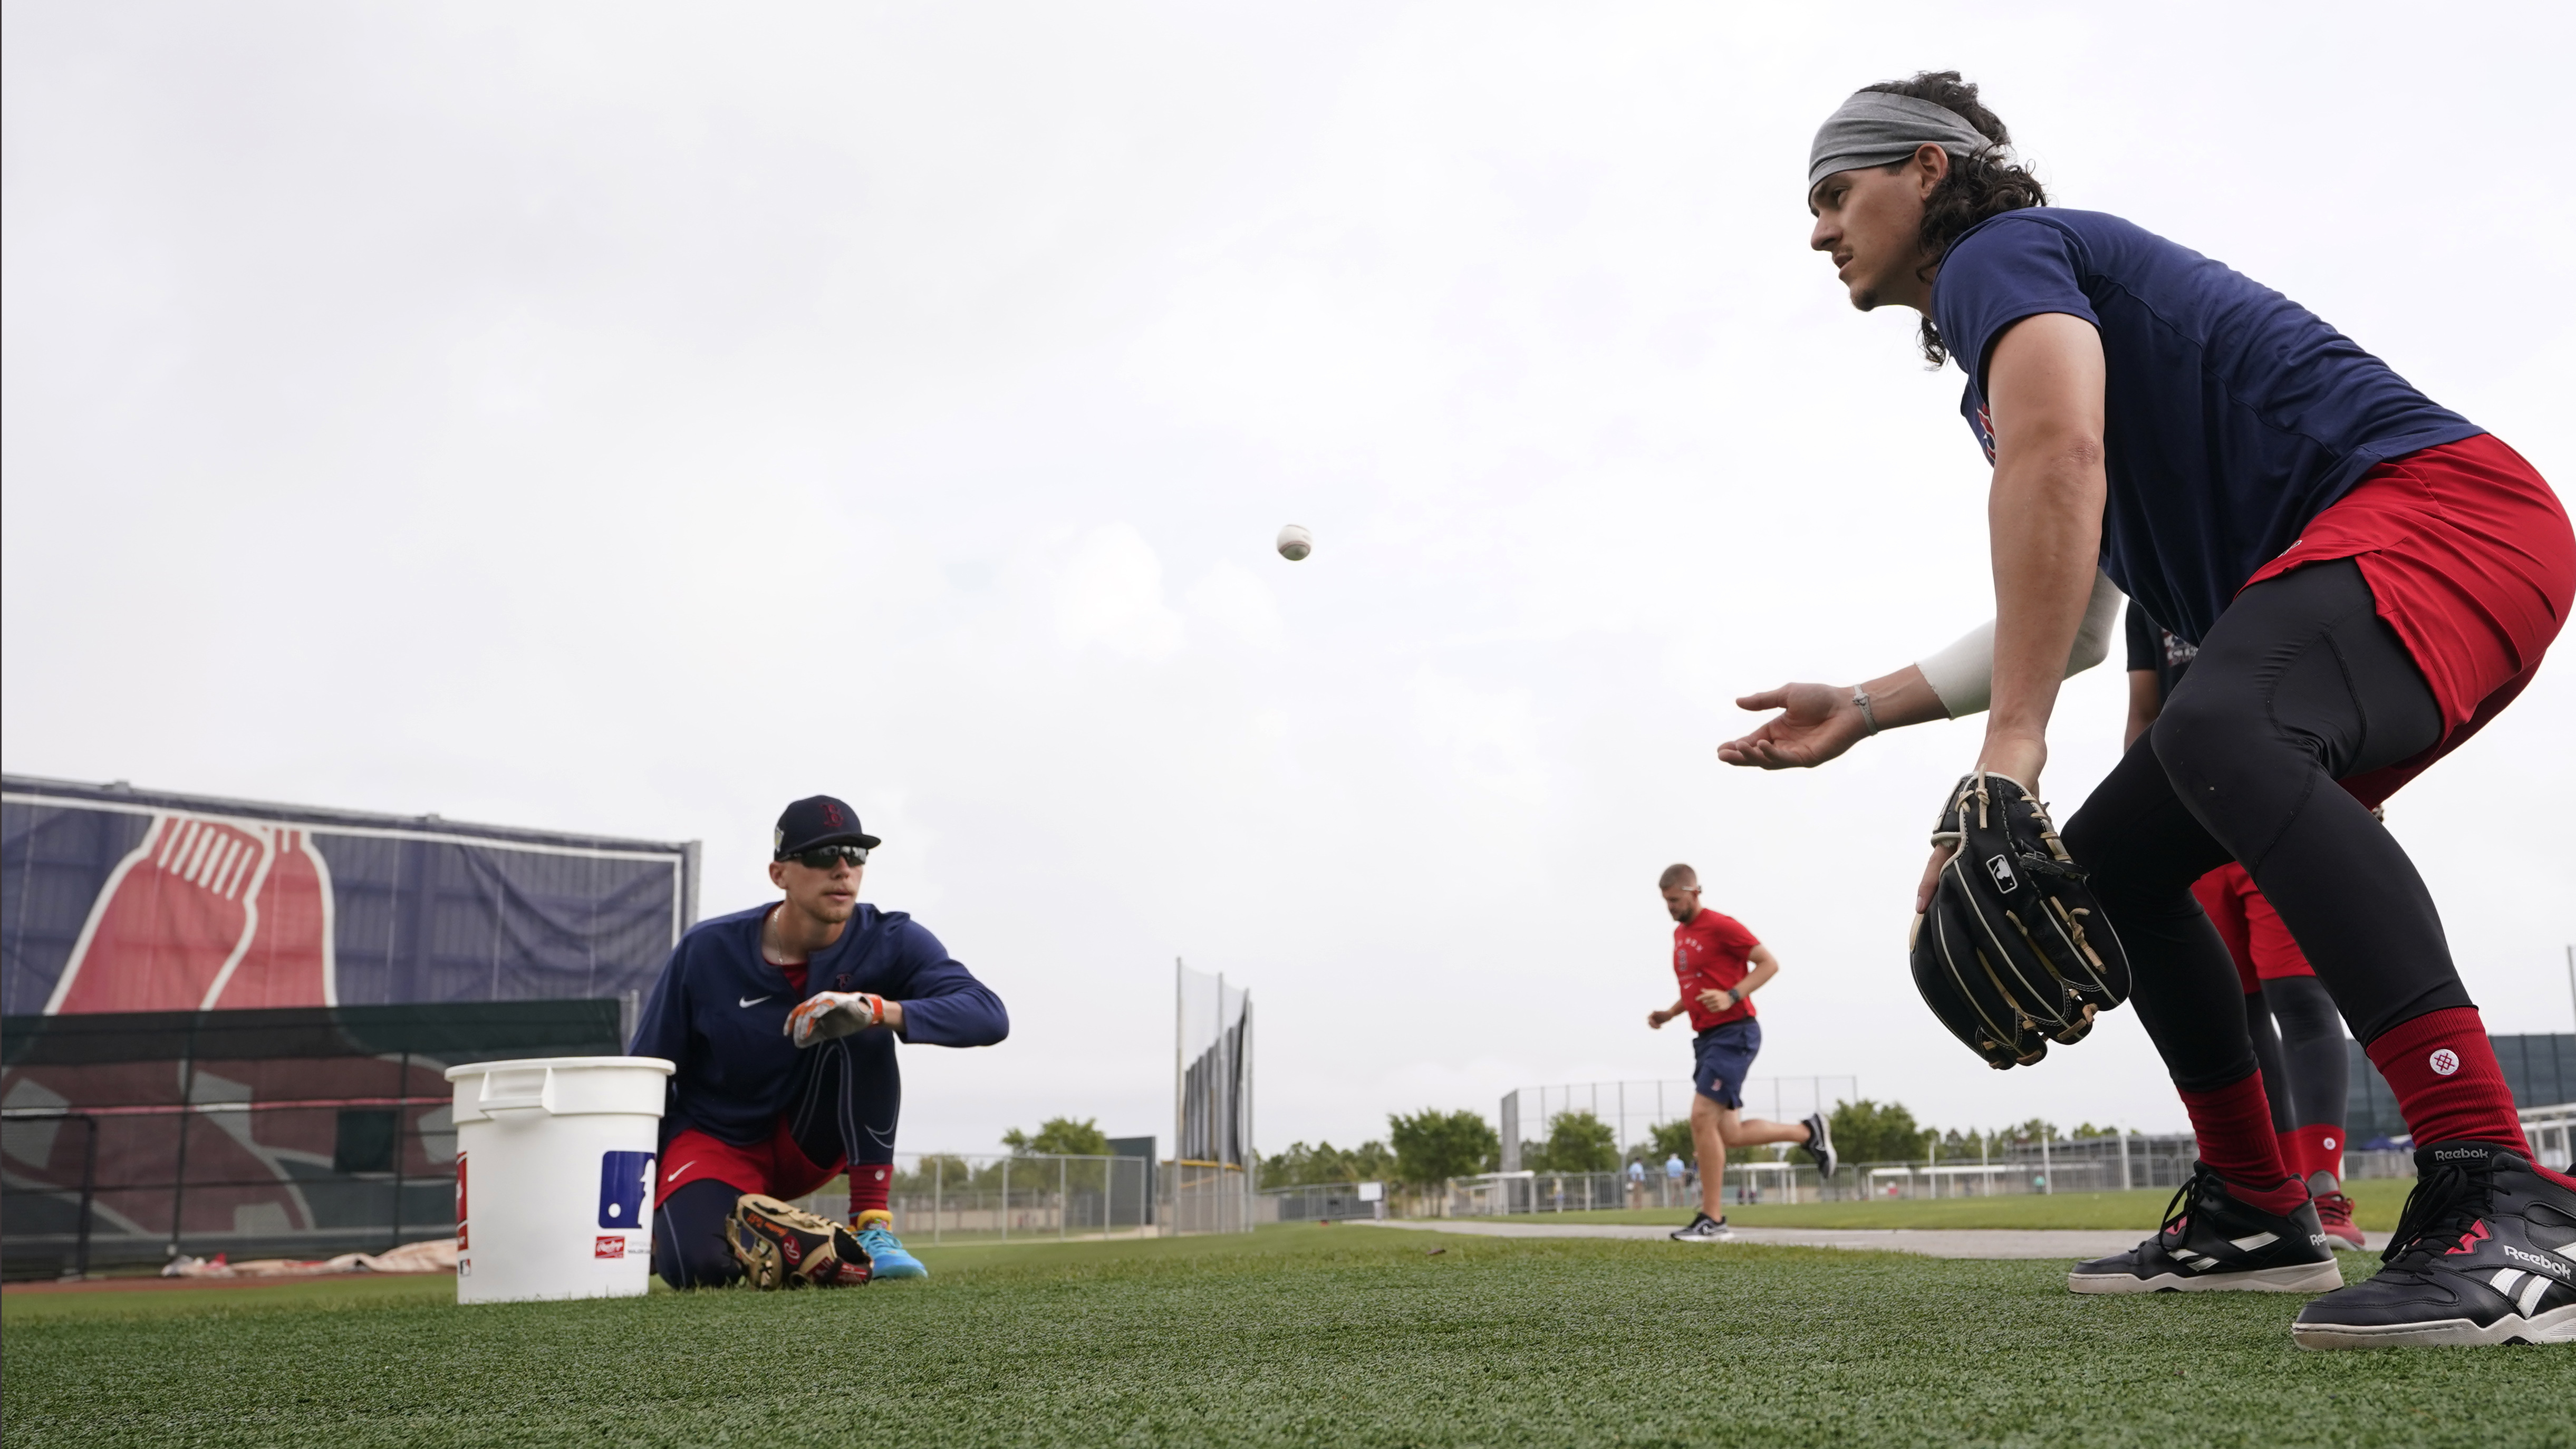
(2014, 951)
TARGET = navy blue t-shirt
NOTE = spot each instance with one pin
(2233, 415)
(719, 1011)
(2153, 646)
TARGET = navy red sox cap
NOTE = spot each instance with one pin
(817, 820)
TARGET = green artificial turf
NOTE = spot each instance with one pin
(2376, 1204)
(1298, 1335)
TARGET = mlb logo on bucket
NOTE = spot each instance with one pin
(625, 1186)
(608, 1245)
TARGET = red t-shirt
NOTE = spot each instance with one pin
(1710, 953)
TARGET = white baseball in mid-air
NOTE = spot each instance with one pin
(1295, 542)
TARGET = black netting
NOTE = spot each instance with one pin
(296, 1132)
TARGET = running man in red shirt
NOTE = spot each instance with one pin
(1720, 966)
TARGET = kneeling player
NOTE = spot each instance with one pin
(782, 1021)
(1721, 966)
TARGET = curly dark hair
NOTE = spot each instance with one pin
(1978, 186)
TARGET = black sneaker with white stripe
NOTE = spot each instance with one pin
(2485, 1253)
(1705, 1229)
(2210, 1241)
(1820, 1144)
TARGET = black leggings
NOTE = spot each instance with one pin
(842, 1105)
(2299, 685)
(2298, 1040)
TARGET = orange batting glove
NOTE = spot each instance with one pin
(829, 1014)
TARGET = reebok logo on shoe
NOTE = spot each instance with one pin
(2545, 1265)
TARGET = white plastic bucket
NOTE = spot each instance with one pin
(554, 1177)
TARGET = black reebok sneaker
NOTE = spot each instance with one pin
(1705, 1229)
(1820, 1144)
(2485, 1253)
(2210, 1241)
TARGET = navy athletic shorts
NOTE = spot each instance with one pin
(1725, 1054)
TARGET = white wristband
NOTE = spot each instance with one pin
(1868, 716)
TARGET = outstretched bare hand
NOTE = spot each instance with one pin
(1816, 722)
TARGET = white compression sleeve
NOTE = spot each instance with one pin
(1963, 671)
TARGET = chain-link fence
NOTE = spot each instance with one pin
(1324, 1202)
(2093, 1164)
(941, 1197)
(1633, 1109)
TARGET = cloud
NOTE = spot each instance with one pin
(1110, 595)
(1489, 737)
(1238, 604)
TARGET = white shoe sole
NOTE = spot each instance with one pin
(2297, 1278)
(1716, 1238)
(2558, 1325)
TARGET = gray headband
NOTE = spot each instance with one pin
(1876, 127)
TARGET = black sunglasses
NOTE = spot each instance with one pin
(822, 857)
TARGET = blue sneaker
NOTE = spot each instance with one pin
(886, 1254)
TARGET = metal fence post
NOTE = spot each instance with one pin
(1006, 1199)
(402, 1109)
(2124, 1159)
(89, 1180)
(187, 1105)
(938, 1170)
(1063, 1197)
(2047, 1173)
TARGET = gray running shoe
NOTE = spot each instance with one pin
(1820, 1144)
(1705, 1229)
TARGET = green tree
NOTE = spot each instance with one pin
(1866, 1131)
(1667, 1140)
(1060, 1135)
(1432, 1146)
(936, 1172)
(1372, 1161)
(1580, 1142)
(2032, 1131)
(1304, 1166)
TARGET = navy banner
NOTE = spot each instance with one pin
(113, 899)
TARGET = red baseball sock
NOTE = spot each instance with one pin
(2444, 1072)
(2234, 1125)
(2447, 1082)
(2315, 1148)
(869, 1184)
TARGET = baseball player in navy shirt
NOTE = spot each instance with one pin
(782, 1022)
(2368, 577)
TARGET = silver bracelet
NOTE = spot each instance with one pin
(1868, 717)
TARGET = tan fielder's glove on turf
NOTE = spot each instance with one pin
(829, 1014)
(780, 1245)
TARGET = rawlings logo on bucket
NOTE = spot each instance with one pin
(608, 1246)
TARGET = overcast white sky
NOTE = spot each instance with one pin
(627, 418)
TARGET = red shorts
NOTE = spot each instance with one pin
(776, 1167)
(2473, 563)
(2252, 929)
